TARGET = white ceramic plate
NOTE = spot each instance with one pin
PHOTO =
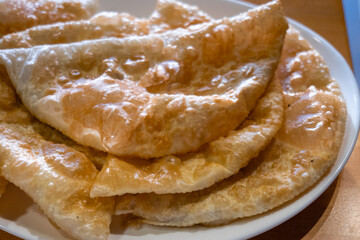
(20, 217)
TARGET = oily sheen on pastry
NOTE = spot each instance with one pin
(305, 147)
(101, 25)
(108, 24)
(213, 162)
(157, 94)
(69, 206)
(114, 24)
(18, 15)
(14, 119)
(21, 14)
(170, 14)
(56, 176)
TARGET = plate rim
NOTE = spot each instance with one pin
(324, 183)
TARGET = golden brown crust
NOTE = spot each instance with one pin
(18, 126)
(17, 15)
(104, 24)
(171, 14)
(301, 152)
(301, 67)
(213, 162)
(107, 24)
(292, 163)
(175, 110)
(13, 112)
(57, 178)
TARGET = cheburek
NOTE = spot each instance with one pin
(56, 176)
(17, 15)
(101, 25)
(213, 162)
(107, 24)
(154, 95)
(305, 147)
(20, 126)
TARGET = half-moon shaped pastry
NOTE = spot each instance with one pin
(56, 176)
(111, 24)
(107, 24)
(17, 15)
(213, 162)
(154, 95)
(303, 150)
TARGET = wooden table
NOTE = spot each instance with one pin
(336, 213)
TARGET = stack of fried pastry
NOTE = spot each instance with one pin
(178, 119)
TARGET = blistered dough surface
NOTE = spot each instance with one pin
(56, 176)
(17, 15)
(213, 162)
(154, 95)
(107, 24)
(305, 147)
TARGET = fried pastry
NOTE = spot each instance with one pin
(56, 176)
(111, 24)
(7, 101)
(78, 215)
(13, 112)
(154, 95)
(174, 71)
(18, 15)
(107, 24)
(104, 24)
(213, 162)
(303, 150)
(170, 14)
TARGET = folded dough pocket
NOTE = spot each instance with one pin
(17, 15)
(56, 176)
(108, 24)
(154, 95)
(103, 24)
(213, 162)
(58, 179)
(300, 153)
